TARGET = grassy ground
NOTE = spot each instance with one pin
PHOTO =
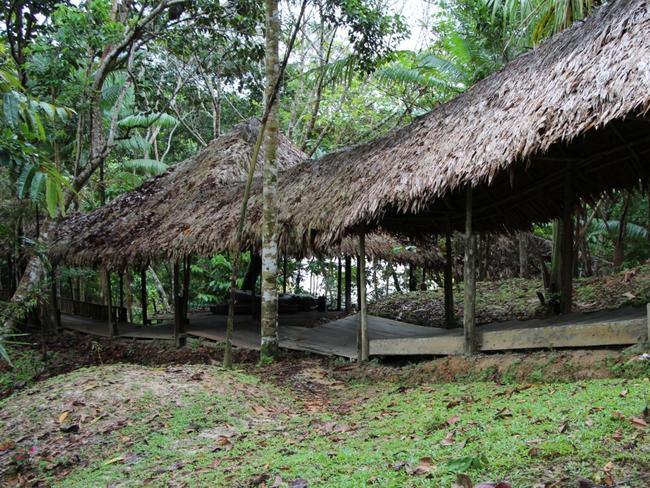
(517, 298)
(309, 422)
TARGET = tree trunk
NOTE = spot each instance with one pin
(161, 291)
(269, 316)
(348, 284)
(450, 320)
(619, 244)
(252, 272)
(129, 297)
(566, 261)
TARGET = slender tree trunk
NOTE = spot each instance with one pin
(448, 281)
(285, 276)
(566, 273)
(269, 316)
(619, 244)
(161, 291)
(348, 284)
(129, 296)
(393, 273)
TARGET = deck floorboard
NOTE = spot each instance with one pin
(332, 334)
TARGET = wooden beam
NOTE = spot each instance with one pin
(339, 290)
(448, 281)
(348, 284)
(469, 315)
(143, 294)
(364, 343)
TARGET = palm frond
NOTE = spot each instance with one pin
(145, 166)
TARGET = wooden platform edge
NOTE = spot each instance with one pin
(619, 333)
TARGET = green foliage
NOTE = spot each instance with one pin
(145, 166)
(542, 18)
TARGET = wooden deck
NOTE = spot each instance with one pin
(333, 335)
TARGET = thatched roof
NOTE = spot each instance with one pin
(582, 97)
(193, 207)
(578, 102)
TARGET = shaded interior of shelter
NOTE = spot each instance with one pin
(533, 192)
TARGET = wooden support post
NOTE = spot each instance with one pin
(339, 291)
(566, 261)
(364, 343)
(348, 283)
(121, 316)
(108, 301)
(143, 294)
(187, 272)
(469, 316)
(450, 321)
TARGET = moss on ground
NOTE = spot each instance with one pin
(203, 426)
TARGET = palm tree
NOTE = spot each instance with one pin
(540, 19)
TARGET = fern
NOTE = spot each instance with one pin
(147, 120)
(145, 166)
(135, 144)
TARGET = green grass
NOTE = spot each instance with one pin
(524, 435)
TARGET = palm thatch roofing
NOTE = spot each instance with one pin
(193, 207)
(578, 102)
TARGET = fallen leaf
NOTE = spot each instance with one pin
(64, 416)
(117, 459)
(448, 439)
(607, 474)
(638, 422)
(425, 466)
(453, 420)
(623, 393)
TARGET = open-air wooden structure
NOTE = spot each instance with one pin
(560, 124)
(178, 214)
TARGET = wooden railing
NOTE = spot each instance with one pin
(96, 311)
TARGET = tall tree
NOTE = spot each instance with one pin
(269, 315)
